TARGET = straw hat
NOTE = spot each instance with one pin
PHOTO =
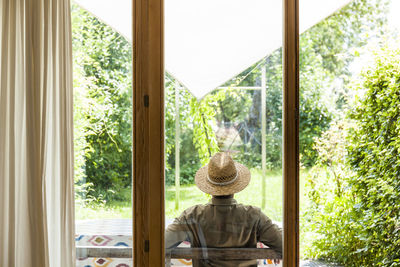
(222, 176)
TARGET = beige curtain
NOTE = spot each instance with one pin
(36, 149)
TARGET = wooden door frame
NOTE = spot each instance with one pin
(291, 133)
(148, 132)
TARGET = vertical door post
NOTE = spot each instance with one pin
(148, 133)
(291, 132)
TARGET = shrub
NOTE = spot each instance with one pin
(356, 220)
(328, 228)
(373, 154)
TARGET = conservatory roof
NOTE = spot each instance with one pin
(209, 42)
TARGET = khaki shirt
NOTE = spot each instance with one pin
(223, 223)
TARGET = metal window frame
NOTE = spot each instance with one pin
(148, 132)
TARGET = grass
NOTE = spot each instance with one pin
(190, 195)
(120, 210)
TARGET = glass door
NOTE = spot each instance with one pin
(206, 116)
(102, 52)
(223, 132)
(349, 99)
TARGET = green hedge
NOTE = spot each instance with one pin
(374, 155)
(354, 212)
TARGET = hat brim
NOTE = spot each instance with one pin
(241, 182)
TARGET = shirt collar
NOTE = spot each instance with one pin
(223, 201)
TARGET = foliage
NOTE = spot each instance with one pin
(328, 210)
(356, 218)
(102, 61)
(204, 138)
(230, 105)
(197, 138)
(325, 56)
(103, 110)
(373, 145)
(102, 65)
(169, 121)
(85, 196)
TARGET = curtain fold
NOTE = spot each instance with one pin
(36, 140)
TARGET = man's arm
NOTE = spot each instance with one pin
(270, 234)
(176, 233)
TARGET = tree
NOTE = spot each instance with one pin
(103, 111)
(323, 65)
(102, 81)
(324, 61)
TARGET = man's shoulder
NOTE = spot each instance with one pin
(194, 209)
(248, 208)
(200, 208)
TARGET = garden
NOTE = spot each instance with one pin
(349, 128)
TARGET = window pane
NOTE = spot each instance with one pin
(103, 139)
(349, 106)
(223, 93)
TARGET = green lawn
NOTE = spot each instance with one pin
(190, 195)
(120, 210)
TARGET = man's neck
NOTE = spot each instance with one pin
(223, 197)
